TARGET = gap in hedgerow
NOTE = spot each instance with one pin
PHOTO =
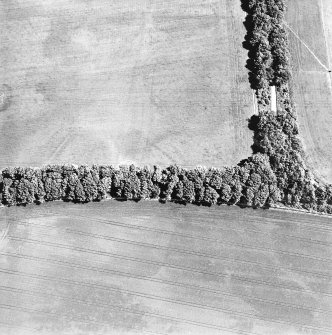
(276, 172)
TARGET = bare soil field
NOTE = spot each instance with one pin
(145, 82)
(310, 23)
(147, 268)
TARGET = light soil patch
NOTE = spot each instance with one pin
(154, 82)
(311, 21)
(142, 268)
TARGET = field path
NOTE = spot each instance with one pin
(148, 268)
(325, 30)
(310, 46)
(301, 40)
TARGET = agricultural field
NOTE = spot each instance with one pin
(148, 268)
(154, 82)
(143, 82)
(310, 22)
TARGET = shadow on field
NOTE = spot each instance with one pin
(253, 123)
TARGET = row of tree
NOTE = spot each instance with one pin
(267, 42)
(276, 172)
(276, 136)
(251, 183)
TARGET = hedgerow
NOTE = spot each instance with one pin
(251, 183)
(275, 173)
(276, 134)
(267, 42)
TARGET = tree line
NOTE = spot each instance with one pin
(251, 183)
(267, 42)
(275, 173)
(276, 134)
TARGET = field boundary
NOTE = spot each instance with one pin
(276, 174)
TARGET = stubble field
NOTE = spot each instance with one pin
(311, 22)
(144, 82)
(147, 268)
(159, 82)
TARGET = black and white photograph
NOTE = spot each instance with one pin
(165, 167)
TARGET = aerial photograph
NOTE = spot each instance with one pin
(165, 167)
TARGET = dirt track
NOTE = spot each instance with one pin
(126, 268)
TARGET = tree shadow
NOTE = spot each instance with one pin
(253, 125)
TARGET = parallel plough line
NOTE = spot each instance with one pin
(168, 265)
(140, 277)
(118, 307)
(191, 252)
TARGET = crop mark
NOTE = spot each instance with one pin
(190, 252)
(307, 47)
(4, 234)
(118, 223)
(9, 325)
(200, 254)
(5, 97)
(307, 225)
(54, 314)
(168, 232)
(185, 251)
(168, 265)
(196, 237)
(207, 255)
(158, 298)
(59, 147)
(324, 32)
(142, 277)
(145, 313)
(326, 45)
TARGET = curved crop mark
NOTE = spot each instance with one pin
(275, 173)
(5, 97)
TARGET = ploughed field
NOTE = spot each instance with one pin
(147, 268)
(311, 22)
(123, 81)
